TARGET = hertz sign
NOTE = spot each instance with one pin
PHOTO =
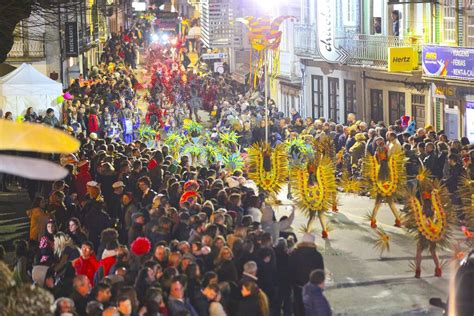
(402, 59)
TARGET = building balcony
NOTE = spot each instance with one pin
(372, 50)
(25, 49)
(305, 41)
(364, 49)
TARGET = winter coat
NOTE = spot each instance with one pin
(227, 271)
(95, 222)
(93, 124)
(38, 221)
(304, 259)
(80, 181)
(176, 306)
(430, 162)
(315, 304)
(87, 267)
(455, 174)
(248, 306)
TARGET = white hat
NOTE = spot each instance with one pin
(118, 184)
(92, 184)
(93, 136)
(309, 238)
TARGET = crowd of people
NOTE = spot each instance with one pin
(133, 230)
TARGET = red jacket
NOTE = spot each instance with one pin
(107, 263)
(93, 125)
(87, 267)
(80, 181)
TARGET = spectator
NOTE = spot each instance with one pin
(315, 304)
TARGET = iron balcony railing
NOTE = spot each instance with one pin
(373, 49)
(27, 48)
(363, 48)
(305, 40)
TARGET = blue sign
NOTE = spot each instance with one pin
(448, 62)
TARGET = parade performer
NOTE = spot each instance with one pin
(268, 168)
(384, 177)
(194, 147)
(428, 218)
(466, 192)
(313, 182)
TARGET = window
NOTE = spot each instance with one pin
(350, 99)
(418, 109)
(376, 104)
(470, 30)
(349, 13)
(396, 102)
(333, 85)
(318, 107)
(449, 21)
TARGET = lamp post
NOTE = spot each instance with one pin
(265, 70)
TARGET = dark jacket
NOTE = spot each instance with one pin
(302, 261)
(455, 174)
(315, 304)
(201, 304)
(175, 306)
(95, 222)
(248, 306)
(430, 162)
(227, 272)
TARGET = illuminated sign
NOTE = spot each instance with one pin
(448, 62)
(402, 59)
(326, 33)
(470, 121)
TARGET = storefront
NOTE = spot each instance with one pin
(450, 70)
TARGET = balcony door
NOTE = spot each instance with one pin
(396, 103)
(317, 107)
(333, 87)
(418, 109)
(376, 105)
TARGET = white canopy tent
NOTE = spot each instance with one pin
(25, 87)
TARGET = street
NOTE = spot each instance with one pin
(365, 283)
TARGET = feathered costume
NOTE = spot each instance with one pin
(268, 167)
(312, 180)
(384, 177)
(429, 218)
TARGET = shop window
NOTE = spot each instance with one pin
(317, 96)
(333, 88)
(418, 109)
(451, 119)
(376, 104)
(396, 103)
(350, 99)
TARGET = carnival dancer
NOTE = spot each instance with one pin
(312, 177)
(384, 177)
(428, 218)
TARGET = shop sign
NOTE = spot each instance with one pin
(445, 91)
(72, 42)
(470, 121)
(214, 56)
(448, 62)
(219, 67)
(326, 32)
(402, 59)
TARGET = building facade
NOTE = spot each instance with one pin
(365, 57)
(66, 43)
